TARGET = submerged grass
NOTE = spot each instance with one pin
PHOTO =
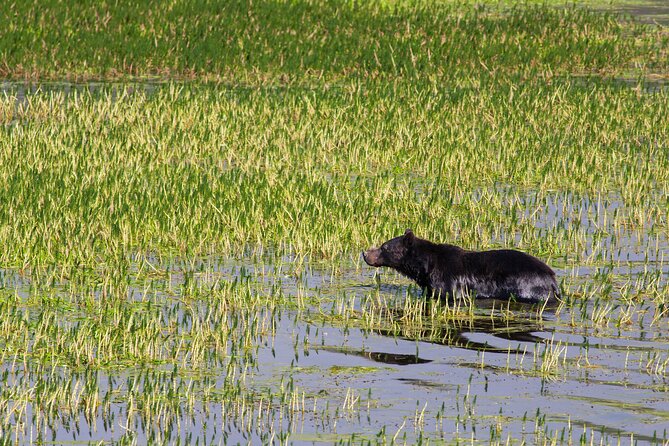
(109, 200)
(341, 125)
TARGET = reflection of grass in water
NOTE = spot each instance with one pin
(94, 203)
(160, 354)
(448, 323)
(528, 351)
(108, 200)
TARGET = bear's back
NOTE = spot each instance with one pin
(505, 262)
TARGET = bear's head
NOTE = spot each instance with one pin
(392, 252)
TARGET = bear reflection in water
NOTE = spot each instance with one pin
(505, 336)
(451, 272)
(487, 334)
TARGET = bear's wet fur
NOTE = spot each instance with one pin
(451, 272)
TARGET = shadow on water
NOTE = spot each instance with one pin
(488, 326)
(463, 333)
(382, 357)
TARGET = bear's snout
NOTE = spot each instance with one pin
(371, 257)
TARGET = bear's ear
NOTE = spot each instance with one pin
(409, 237)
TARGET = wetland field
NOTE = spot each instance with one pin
(186, 188)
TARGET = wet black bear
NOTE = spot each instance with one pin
(449, 271)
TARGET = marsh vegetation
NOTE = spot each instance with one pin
(180, 258)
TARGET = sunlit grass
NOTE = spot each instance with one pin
(159, 240)
(89, 180)
(312, 42)
(113, 202)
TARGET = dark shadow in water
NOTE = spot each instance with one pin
(488, 320)
(458, 332)
(394, 358)
(428, 384)
(455, 336)
(383, 357)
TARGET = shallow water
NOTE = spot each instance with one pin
(22, 90)
(356, 382)
(466, 378)
(594, 370)
(654, 12)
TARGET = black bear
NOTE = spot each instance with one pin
(451, 272)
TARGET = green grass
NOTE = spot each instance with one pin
(89, 180)
(184, 250)
(315, 42)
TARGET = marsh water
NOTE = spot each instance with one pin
(351, 354)
(592, 371)
(652, 12)
(469, 378)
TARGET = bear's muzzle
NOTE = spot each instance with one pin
(372, 257)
